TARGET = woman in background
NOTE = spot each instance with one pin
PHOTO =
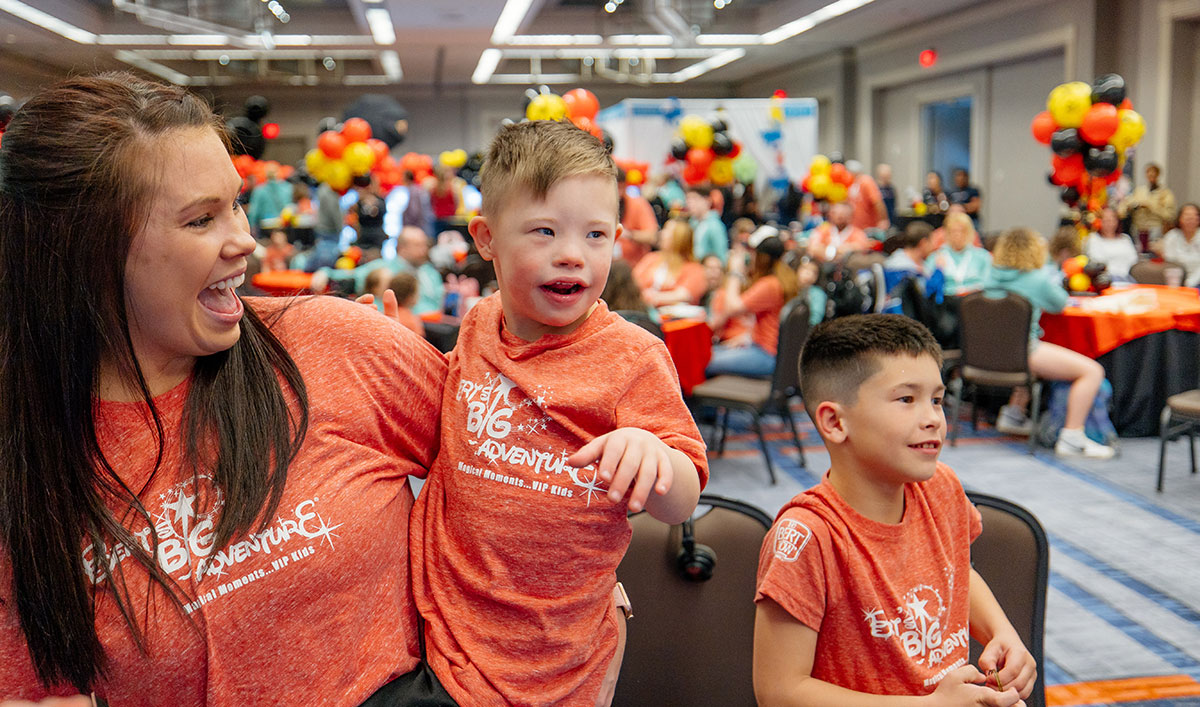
(964, 264)
(1111, 247)
(671, 274)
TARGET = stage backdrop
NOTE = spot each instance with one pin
(642, 129)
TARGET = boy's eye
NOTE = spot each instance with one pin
(906, 398)
(597, 234)
(937, 400)
(545, 231)
(201, 222)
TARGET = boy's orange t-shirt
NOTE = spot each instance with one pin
(515, 552)
(317, 608)
(764, 299)
(888, 602)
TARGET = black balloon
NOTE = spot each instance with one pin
(329, 123)
(257, 107)
(8, 108)
(679, 149)
(1094, 268)
(1100, 161)
(722, 144)
(718, 125)
(246, 136)
(1102, 282)
(387, 118)
(1109, 88)
(1066, 142)
(1053, 182)
(1070, 196)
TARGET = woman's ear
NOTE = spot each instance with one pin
(481, 231)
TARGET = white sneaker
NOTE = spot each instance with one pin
(1074, 443)
(1013, 421)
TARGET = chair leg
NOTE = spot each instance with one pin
(1192, 444)
(762, 441)
(787, 413)
(1035, 405)
(723, 429)
(955, 409)
(1164, 423)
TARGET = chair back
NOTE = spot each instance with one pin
(1013, 557)
(692, 643)
(995, 333)
(642, 319)
(1147, 272)
(793, 330)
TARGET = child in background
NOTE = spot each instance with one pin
(279, 252)
(560, 418)
(406, 288)
(807, 274)
(865, 586)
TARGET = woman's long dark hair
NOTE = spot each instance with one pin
(74, 189)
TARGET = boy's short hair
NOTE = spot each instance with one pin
(404, 285)
(914, 233)
(536, 155)
(842, 353)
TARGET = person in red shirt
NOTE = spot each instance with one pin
(202, 498)
(865, 589)
(558, 418)
(837, 237)
(771, 284)
(671, 275)
(639, 226)
(867, 200)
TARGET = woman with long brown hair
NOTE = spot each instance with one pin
(201, 498)
(769, 285)
(671, 275)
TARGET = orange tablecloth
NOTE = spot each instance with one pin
(690, 344)
(1095, 333)
(281, 283)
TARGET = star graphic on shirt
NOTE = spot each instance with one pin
(521, 427)
(326, 531)
(589, 482)
(504, 386)
(917, 607)
(183, 507)
(541, 400)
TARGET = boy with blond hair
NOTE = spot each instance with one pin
(865, 587)
(559, 419)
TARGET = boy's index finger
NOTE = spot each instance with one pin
(588, 453)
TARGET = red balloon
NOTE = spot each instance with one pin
(693, 175)
(1126, 105)
(380, 148)
(356, 130)
(581, 103)
(244, 164)
(332, 144)
(737, 150)
(1043, 127)
(1099, 123)
(839, 174)
(1068, 170)
(701, 158)
(804, 184)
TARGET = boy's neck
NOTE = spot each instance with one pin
(879, 501)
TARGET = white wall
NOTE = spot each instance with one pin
(825, 80)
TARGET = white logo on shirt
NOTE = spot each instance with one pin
(790, 538)
(918, 626)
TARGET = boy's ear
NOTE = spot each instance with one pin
(481, 231)
(830, 422)
(620, 231)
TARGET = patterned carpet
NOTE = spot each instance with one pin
(1123, 611)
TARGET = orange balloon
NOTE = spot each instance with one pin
(1072, 266)
(1043, 127)
(581, 103)
(356, 130)
(332, 144)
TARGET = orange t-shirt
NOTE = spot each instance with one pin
(639, 216)
(888, 602)
(316, 609)
(849, 238)
(865, 198)
(514, 552)
(764, 299)
(651, 274)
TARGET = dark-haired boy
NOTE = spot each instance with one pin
(865, 586)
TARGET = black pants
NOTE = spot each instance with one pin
(420, 688)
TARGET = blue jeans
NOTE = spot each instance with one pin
(751, 361)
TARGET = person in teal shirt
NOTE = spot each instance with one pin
(709, 236)
(268, 199)
(964, 264)
(1020, 267)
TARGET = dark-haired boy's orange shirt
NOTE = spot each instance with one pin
(515, 552)
(888, 602)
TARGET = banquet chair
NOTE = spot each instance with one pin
(1148, 272)
(1013, 557)
(994, 334)
(759, 396)
(642, 319)
(691, 640)
(1181, 414)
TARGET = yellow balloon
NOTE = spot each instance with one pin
(315, 161)
(1130, 129)
(1069, 102)
(540, 108)
(1080, 282)
(837, 192)
(344, 263)
(819, 185)
(776, 113)
(338, 175)
(920, 209)
(820, 165)
(359, 157)
(721, 171)
(696, 132)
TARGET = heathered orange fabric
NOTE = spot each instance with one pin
(764, 299)
(514, 552)
(690, 277)
(317, 609)
(888, 602)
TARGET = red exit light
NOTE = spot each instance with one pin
(928, 58)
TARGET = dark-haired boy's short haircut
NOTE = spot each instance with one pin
(842, 353)
(915, 232)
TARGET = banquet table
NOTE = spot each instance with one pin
(689, 342)
(282, 283)
(1147, 339)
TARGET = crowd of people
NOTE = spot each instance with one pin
(178, 459)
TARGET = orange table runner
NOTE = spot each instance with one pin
(690, 343)
(282, 283)
(1094, 332)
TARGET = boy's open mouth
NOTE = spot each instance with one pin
(563, 288)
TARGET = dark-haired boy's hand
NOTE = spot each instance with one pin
(966, 686)
(633, 460)
(1014, 664)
